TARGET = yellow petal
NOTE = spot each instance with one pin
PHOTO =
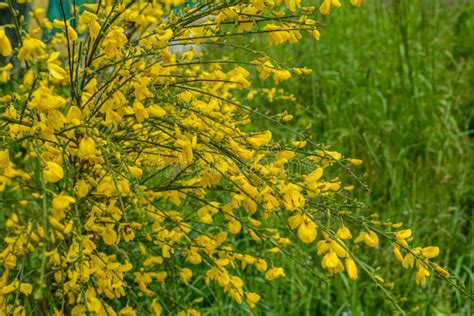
(260, 139)
(137, 172)
(156, 111)
(109, 235)
(323, 246)
(397, 253)
(26, 288)
(331, 261)
(5, 45)
(325, 8)
(430, 252)
(338, 248)
(343, 233)
(234, 226)
(307, 232)
(356, 162)
(421, 276)
(252, 299)
(53, 172)
(87, 148)
(351, 269)
(56, 71)
(403, 234)
(356, 3)
(4, 159)
(408, 261)
(156, 307)
(371, 239)
(261, 265)
(295, 221)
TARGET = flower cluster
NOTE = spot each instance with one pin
(131, 178)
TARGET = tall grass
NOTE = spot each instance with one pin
(392, 86)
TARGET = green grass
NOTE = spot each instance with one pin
(392, 86)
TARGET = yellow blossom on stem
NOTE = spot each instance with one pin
(274, 273)
(369, 237)
(53, 172)
(32, 48)
(5, 45)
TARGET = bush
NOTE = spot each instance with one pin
(132, 180)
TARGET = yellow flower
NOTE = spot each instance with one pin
(136, 172)
(55, 223)
(332, 263)
(421, 275)
(323, 246)
(56, 71)
(281, 75)
(26, 288)
(9, 288)
(234, 226)
(356, 162)
(252, 299)
(31, 49)
(5, 45)
(60, 203)
(127, 311)
(351, 269)
(295, 221)
(260, 139)
(109, 235)
(403, 234)
(356, 3)
(114, 41)
(156, 111)
(87, 148)
(93, 304)
(4, 159)
(343, 233)
(274, 273)
(292, 197)
(396, 251)
(140, 112)
(190, 312)
(276, 34)
(430, 252)
(5, 72)
(261, 265)
(299, 144)
(156, 307)
(90, 20)
(408, 261)
(441, 270)
(185, 275)
(82, 188)
(67, 28)
(53, 172)
(369, 237)
(311, 180)
(325, 8)
(338, 248)
(307, 231)
(194, 257)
